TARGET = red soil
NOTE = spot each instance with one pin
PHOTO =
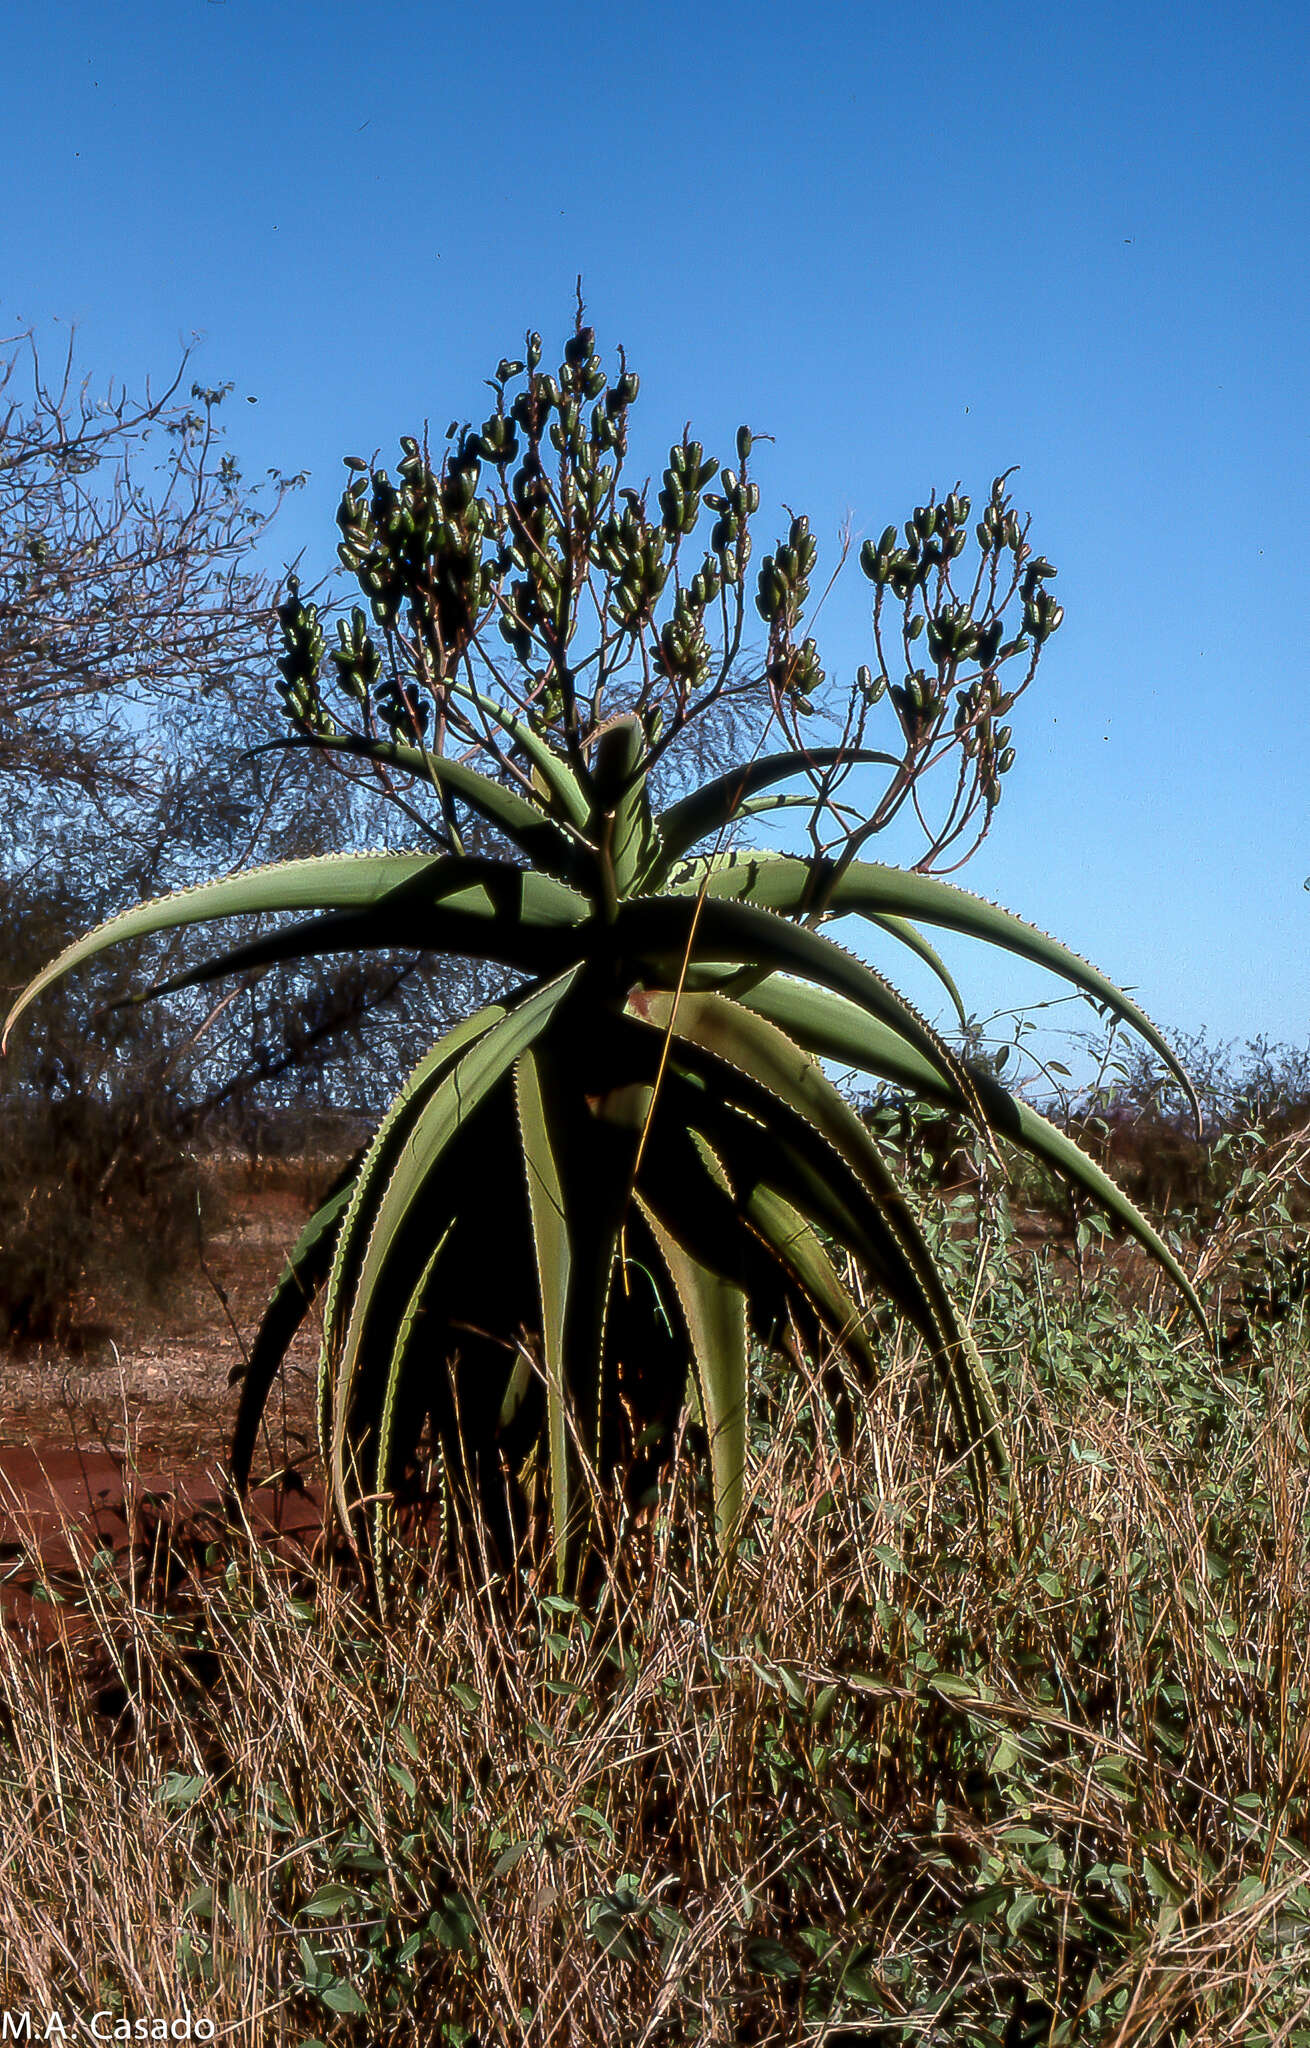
(61, 1510)
(116, 1445)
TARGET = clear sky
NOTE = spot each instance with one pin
(912, 244)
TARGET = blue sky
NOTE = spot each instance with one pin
(912, 245)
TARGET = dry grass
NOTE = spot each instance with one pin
(881, 1787)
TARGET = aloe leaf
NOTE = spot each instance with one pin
(684, 1200)
(795, 888)
(744, 1232)
(796, 1244)
(382, 931)
(553, 1247)
(536, 936)
(381, 1164)
(558, 777)
(579, 1165)
(538, 836)
(873, 1223)
(832, 1028)
(375, 1170)
(386, 1428)
(764, 806)
(913, 939)
(715, 1313)
(790, 1158)
(898, 928)
(338, 881)
(840, 1326)
(767, 1142)
(792, 1079)
(486, 910)
(670, 935)
(716, 804)
(685, 1182)
(370, 1328)
(627, 833)
(304, 1273)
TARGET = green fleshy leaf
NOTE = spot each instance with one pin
(912, 938)
(553, 1246)
(717, 804)
(833, 1028)
(626, 834)
(337, 881)
(384, 1477)
(715, 1313)
(559, 778)
(374, 1313)
(554, 851)
(304, 1274)
(484, 910)
(375, 1171)
(774, 1063)
(799, 888)
(667, 936)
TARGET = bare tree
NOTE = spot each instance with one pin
(126, 533)
(136, 677)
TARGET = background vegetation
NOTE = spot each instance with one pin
(136, 652)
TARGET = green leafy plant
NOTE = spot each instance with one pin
(590, 1195)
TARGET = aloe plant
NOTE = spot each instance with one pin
(589, 1199)
(651, 1101)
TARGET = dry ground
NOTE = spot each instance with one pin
(164, 1360)
(130, 1423)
